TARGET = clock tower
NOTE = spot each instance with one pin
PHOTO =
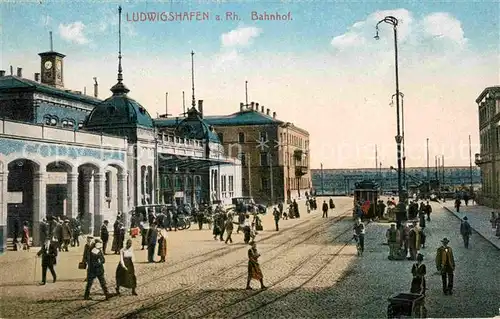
(52, 68)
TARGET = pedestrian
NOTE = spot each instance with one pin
(418, 270)
(125, 271)
(392, 235)
(254, 271)
(48, 253)
(200, 218)
(308, 206)
(428, 211)
(331, 204)
(217, 224)
(359, 232)
(66, 234)
(465, 231)
(86, 252)
(152, 239)
(445, 264)
(412, 242)
(162, 245)
(222, 225)
(116, 237)
(104, 236)
(246, 229)
(493, 220)
(280, 208)
(229, 228)
(44, 230)
(325, 210)
(421, 218)
(26, 236)
(276, 215)
(95, 269)
(458, 202)
(59, 234)
(296, 211)
(76, 231)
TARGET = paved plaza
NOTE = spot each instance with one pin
(309, 266)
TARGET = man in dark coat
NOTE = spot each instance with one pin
(428, 211)
(332, 205)
(465, 231)
(325, 210)
(44, 230)
(276, 214)
(104, 236)
(445, 264)
(95, 269)
(152, 239)
(48, 252)
(296, 209)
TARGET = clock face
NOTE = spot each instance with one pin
(48, 65)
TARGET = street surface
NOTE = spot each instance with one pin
(310, 267)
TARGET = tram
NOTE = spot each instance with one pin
(366, 194)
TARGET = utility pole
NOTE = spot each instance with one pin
(322, 181)
(442, 167)
(470, 167)
(246, 93)
(271, 176)
(428, 168)
(376, 160)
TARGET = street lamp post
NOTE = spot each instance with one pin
(405, 182)
(394, 22)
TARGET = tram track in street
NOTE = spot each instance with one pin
(284, 278)
(218, 253)
(312, 233)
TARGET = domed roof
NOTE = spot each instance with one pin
(193, 126)
(119, 109)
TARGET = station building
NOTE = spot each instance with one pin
(274, 154)
(488, 104)
(65, 153)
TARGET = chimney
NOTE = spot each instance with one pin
(200, 107)
(242, 106)
(252, 105)
(20, 72)
(96, 88)
(11, 70)
(2, 73)
(262, 109)
(274, 115)
(257, 107)
(37, 77)
(267, 112)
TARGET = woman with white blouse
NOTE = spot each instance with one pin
(125, 272)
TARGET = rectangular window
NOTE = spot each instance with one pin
(242, 157)
(241, 137)
(231, 186)
(107, 184)
(263, 136)
(263, 159)
(264, 184)
(224, 186)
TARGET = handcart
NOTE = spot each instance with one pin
(407, 305)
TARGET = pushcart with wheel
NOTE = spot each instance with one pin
(407, 305)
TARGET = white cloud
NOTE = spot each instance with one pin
(232, 45)
(430, 33)
(240, 37)
(443, 25)
(73, 32)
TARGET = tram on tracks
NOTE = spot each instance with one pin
(366, 195)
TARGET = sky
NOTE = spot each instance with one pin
(322, 70)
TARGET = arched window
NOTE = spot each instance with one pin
(46, 119)
(80, 125)
(54, 120)
(68, 123)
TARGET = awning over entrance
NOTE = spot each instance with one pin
(188, 162)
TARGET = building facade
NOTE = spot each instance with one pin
(488, 159)
(65, 153)
(274, 154)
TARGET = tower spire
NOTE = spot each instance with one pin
(119, 87)
(193, 102)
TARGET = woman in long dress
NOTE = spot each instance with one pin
(254, 271)
(125, 272)
(162, 245)
(419, 271)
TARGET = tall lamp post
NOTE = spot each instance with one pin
(405, 182)
(394, 22)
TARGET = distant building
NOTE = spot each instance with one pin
(274, 154)
(489, 135)
(341, 181)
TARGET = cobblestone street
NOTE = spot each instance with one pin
(309, 266)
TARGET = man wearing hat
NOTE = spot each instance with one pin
(465, 231)
(392, 236)
(445, 263)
